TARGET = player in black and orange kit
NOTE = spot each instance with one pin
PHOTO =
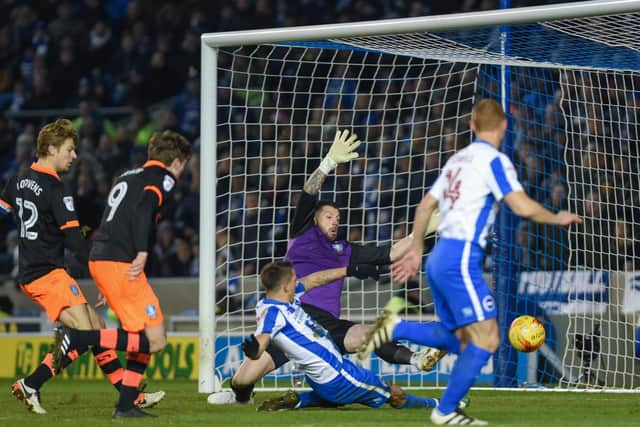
(117, 260)
(47, 221)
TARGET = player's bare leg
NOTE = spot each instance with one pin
(381, 334)
(424, 360)
(355, 337)
(157, 336)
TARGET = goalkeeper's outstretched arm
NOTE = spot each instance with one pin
(342, 150)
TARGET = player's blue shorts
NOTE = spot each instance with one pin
(353, 385)
(460, 294)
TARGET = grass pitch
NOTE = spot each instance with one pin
(90, 403)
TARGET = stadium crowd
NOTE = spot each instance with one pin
(143, 56)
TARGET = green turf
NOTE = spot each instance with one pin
(90, 403)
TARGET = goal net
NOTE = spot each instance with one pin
(571, 90)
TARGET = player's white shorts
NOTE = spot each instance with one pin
(460, 294)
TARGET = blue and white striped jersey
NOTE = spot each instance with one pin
(468, 190)
(304, 341)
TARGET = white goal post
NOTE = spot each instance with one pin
(567, 74)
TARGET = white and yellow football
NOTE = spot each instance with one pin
(526, 333)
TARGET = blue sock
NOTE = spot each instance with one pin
(418, 402)
(464, 374)
(312, 399)
(432, 334)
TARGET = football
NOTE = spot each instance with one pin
(526, 333)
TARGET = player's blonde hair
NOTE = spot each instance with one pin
(167, 145)
(55, 134)
(274, 274)
(487, 115)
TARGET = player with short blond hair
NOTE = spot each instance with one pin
(467, 192)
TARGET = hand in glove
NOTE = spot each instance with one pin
(342, 150)
(251, 347)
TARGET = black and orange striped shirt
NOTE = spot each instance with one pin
(43, 209)
(134, 201)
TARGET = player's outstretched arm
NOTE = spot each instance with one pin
(323, 277)
(342, 150)
(525, 207)
(253, 347)
(385, 254)
(422, 220)
(408, 264)
(405, 244)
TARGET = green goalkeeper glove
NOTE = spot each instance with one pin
(342, 150)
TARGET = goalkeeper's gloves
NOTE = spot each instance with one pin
(364, 271)
(251, 347)
(342, 150)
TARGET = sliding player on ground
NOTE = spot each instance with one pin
(334, 380)
(313, 247)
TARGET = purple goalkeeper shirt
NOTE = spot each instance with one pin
(311, 252)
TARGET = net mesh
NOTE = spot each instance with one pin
(573, 133)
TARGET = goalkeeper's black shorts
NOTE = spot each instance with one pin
(337, 328)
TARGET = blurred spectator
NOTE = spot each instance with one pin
(158, 260)
(186, 106)
(180, 259)
(188, 209)
(9, 258)
(65, 75)
(140, 126)
(6, 310)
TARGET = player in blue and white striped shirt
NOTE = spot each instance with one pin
(334, 379)
(467, 192)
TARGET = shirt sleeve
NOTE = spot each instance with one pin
(162, 186)
(63, 209)
(370, 254)
(271, 323)
(66, 219)
(503, 177)
(299, 289)
(144, 211)
(303, 214)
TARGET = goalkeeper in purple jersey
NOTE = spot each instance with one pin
(313, 247)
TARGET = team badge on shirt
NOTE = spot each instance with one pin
(151, 311)
(68, 202)
(488, 303)
(168, 183)
(338, 247)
